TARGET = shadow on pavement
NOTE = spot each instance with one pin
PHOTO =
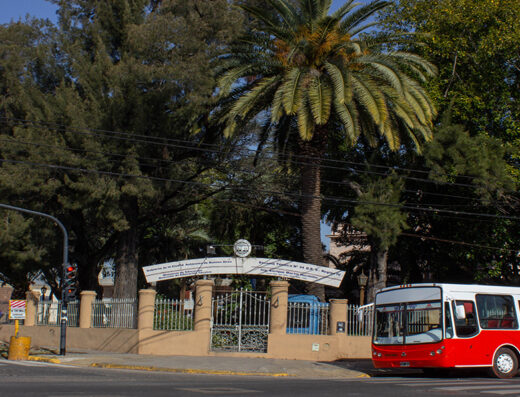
(365, 366)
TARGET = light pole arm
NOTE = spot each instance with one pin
(63, 328)
(65, 234)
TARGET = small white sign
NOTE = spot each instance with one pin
(16, 310)
(315, 347)
(242, 248)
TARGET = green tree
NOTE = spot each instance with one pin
(302, 69)
(474, 43)
(378, 214)
(98, 124)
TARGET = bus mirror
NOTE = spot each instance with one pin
(460, 312)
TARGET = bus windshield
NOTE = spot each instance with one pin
(408, 323)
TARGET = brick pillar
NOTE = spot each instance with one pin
(203, 295)
(280, 292)
(338, 313)
(146, 309)
(31, 307)
(85, 308)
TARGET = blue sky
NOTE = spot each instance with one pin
(14, 10)
(18, 9)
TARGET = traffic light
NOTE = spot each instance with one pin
(70, 289)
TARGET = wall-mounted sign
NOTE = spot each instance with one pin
(246, 266)
(242, 248)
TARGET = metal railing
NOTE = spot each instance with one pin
(49, 313)
(173, 315)
(308, 318)
(360, 320)
(114, 313)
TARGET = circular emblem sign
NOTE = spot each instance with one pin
(242, 248)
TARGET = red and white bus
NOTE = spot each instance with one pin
(447, 326)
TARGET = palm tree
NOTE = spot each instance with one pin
(304, 71)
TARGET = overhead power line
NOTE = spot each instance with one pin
(214, 148)
(460, 242)
(165, 161)
(291, 194)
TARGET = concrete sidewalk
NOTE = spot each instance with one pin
(218, 365)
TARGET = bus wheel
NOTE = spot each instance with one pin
(505, 363)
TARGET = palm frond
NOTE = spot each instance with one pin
(277, 105)
(347, 120)
(231, 76)
(391, 135)
(362, 14)
(337, 81)
(286, 11)
(305, 125)
(291, 90)
(385, 68)
(428, 67)
(365, 93)
(325, 7)
(319, 95)
(247, 101)
(344, 9)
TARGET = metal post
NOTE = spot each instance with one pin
(63, 329)
(240, 320)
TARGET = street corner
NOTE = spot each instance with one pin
(44, 359)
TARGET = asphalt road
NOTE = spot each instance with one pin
(30, 379)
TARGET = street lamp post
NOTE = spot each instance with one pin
(63, 320)
(44, 291)
(362, 282)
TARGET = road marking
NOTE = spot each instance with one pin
(438, 382)
(37, 364)
(507, 391)
(462, 388)
(218, 390)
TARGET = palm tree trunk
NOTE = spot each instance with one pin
(311, 204)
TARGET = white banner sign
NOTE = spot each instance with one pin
(247, 266)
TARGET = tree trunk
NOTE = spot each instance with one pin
(126, 260)
(311, 205)
(378, 270)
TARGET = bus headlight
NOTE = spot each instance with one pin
(439, 351)
(432, 353)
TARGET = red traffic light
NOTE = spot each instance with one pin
(70, 268)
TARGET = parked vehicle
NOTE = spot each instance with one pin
(447, 326)
(306, 315)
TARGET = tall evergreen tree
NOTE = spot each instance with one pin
(111, 128)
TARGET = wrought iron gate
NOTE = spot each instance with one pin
(240, 321)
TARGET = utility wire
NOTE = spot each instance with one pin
(460, 242)
(268, 159)
(330, 198)
(145, 139)
(165, 161)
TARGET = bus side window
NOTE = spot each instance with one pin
(466, 326)
(496, 312)
(447, 321)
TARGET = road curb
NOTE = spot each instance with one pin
(44, 359)
(187, 370)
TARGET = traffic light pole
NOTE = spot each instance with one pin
(63, 331)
